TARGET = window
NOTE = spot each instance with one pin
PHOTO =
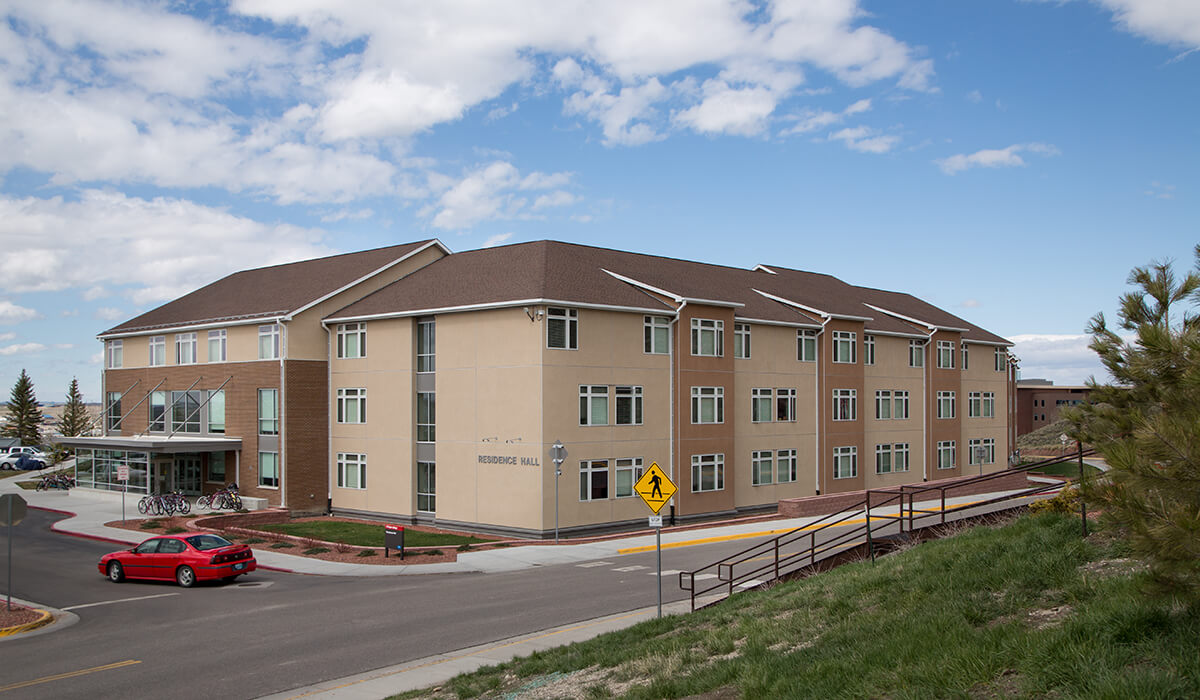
(844, 344)
(216, 467)
(657, 331)
(845, 404)
(741, 341)
(762, 467)
(708, 404)
(629, 405)
(352, 405)
(158, 350)
(945, 354)
(981, 451)
(883, 459)
(708, 473)
(883, 405)
(268, 469)
(845, 462)
(562, 328)
(268, 412)
(900, 405)
(268, 342)
(916, 353)
(593, 480)
(628, 472)
(593, 405)
(760, 405)
(426, 346)
(708, 337)
(900, 457)
(113, 403)
(785, 464)
(216, 345)
(945, 454)
(114, 354)
(806, 346)
(158, 412)
(427, 487)
(352, 341)
(351, 470)
(785, 405)
(868, 349)
(981, 404)
(945, 404)
(185, 348)
(426, 416)
(216, 412)
(185, 411)
(966, 356)
(1000, 364)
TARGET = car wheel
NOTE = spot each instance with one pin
(185, 576)
(116, 574)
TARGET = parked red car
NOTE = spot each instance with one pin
(186, 558)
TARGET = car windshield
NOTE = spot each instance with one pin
(203, 542)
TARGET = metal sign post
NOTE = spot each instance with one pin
(123, 477)
(12, 509)
(656, 488)
(558, 454)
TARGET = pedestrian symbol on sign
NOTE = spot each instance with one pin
(655, 488)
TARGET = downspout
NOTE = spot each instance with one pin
(817, 407)
(282, 465)
(926, 408)
(328, 419)
(673, 365)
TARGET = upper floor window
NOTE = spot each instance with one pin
(185, 348)
(891, 458)
(185, 411)
(114, 354)
(806, 346)
(762, 467)
(916, 353)
(426, 346)
(657, 334)
(216, 412)
(785, 463)
(844, 344)
(741, 341)
(113, 406)
(883, 405)
(352, 340)
(760, 405)
(945, 354)
(216, 345)
(708, 404)
(593, 404)
(966, 355)
(158, 350)
(629, 405)
(352, 405)
(945, 404)
(981, 404)
(900, 405)
(268, 342)
(845, 462)
(868, 349)
(845, 404)
(351, 470)
(708, 337)
(1000, 357)
(268, 411)
(562, 328)
(785, 405)
(158, 412)
(426, 416)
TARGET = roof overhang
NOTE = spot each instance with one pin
(153, 443)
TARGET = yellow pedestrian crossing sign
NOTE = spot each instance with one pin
(655, 487)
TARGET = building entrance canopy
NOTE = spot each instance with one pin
(154, 443)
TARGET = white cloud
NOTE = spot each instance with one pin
(496, 240)
(559, 198)
(970, 304)
(811, 120)
(7, 336)
(1171, 22)
(11, 313)
(1064, 359)
(491, 192)
(108, 313)
(347, 215)
(975, 96)
(994, 158)
(865, 139)
(70, 313)
(1159, 190)
(64, 346)
(22, 349)
(94, 293)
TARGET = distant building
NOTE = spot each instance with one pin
(1039, 400)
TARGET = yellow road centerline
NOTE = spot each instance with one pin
(69, 674)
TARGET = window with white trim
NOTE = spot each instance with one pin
(806, 345)
(426, 346)
(268, 342)
(883, 459)
(185, 411)
(708, 337)
(268, 469)
(158, 412)
(268, 411)
(945, 454)
(988, 450)
(216, 345)
(352, 341)
(352, 405)
(708, 404)
(845, 404)
(785, 405)
(741, 341)
(966, 356)
(627, 472)
(351, 470)
(158, 350)
(899, 405)
(426, 487)
(216, 411)
(785, 465)
(916, 353)
(1001, 365)
(113, 406)
(868, 349)
(981, 404)
(762, 467)
(708, 473)
(845, 462)
(883, 405)
(185, 348)
(593, 404)
(426, 416)
(629, 405)
(945, 404)
(562, 328)
(900, 457)
(593, 480)
(945, 354)
(845, 344)
(657, 335)
(760, 405)
(114, 354)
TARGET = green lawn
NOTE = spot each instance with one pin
(1025, 610)
(365, 535)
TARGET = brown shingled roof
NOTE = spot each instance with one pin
(267, 292)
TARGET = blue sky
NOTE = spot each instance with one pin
(1008, 161)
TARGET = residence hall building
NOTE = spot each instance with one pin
(426, 386)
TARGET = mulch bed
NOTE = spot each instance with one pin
(17, 616)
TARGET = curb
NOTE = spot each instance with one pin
(45, 619)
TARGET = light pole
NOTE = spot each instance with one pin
(558, 454)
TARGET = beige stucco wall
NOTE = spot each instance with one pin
(892, 373)
(981, 376)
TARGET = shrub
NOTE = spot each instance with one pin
(367, 553)
(464, 547)
(341, 547)
(150, 524)
(176, 530)
(1067, 501)
(282, 545)
(316, 550)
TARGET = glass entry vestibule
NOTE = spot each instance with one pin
(160, 465)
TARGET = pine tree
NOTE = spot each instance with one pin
(1145, 424)
(24, 413)
(75, 419)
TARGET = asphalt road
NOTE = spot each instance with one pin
(271, 631)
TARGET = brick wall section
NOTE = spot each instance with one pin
(834, 503)
(306, 436)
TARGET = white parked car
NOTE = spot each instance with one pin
(9, 460)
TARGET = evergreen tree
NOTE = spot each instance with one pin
(1145, 424)
(24, 413)
(75, 419)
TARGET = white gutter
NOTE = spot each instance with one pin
(660, 311)
(281, 465)
(812, 310)
(926, 409)
(671, 391)
(329, 352)
(265, 319)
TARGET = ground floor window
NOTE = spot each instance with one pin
(785, 464)
(268, 469)
(981, 451)
(708, 473)
(97, 469)
(351, 470)
(593, 480)
(945, 451)
(426, 487)
(628, 472)
(216, 467)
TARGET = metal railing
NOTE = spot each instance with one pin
(808, 546)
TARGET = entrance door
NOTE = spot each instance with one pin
(187, 474)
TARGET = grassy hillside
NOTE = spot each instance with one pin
(1027, 609)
